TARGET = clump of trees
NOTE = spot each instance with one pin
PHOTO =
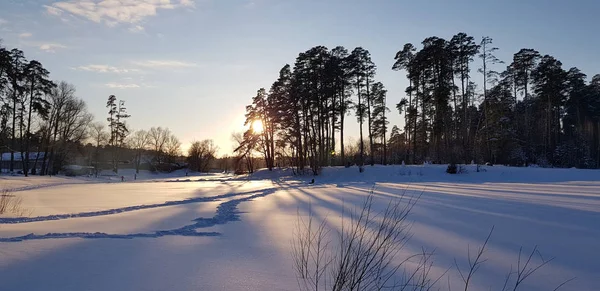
(532, 111)
(201, 154)
(45, 126)
(41, 121)
(306, 107)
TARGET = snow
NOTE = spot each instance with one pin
(219, 232)
(18, 156)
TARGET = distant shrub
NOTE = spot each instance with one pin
(452, 169)
(10, 203)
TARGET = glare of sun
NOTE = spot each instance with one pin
(257, 126)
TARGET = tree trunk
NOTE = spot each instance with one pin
(342, 138)
(37, 155)
(28, 131)
(384, 136)
(360, 113)
(406, 121)
(368, 97)
(14, 127)
(414, 138)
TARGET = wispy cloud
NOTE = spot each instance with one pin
(136, 29)
(3, 21)
(105, 69)
(136, 67)
(113, 12)
(165, 64)
(53, 10)
(51, 47)
(25, 35)
(122, 85)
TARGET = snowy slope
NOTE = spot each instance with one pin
(225, 233)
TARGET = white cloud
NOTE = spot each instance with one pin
(122, 86)
(105, 69)
(136, 29)
(164, 64)
(53, 10)
(25, 35)
(188, 3)
(112, 12)
(3, 21)
(51, 47)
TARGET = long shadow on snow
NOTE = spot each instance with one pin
(167, 263)
(468, 218)
(226, 212)
(16, 220)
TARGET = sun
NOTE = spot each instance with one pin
(257, 126)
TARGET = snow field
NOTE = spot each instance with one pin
(236, 234)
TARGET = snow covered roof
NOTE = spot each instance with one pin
(18, 156)
(76, 167)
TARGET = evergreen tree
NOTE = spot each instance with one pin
(403, 62)
(488, 58)
(16, 76)
(463, 48)
(363, 73)
(380, 121)
(117, 114)
(38, 86)
(523, 63)
(550, 85)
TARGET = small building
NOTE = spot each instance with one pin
(18, 161)
(77, 170)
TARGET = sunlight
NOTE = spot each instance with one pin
(257, 126)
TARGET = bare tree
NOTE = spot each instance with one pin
(201, 154)
(100, 137)
(66, 128)
(58, 98)
(139, 142)
(172, 148)
(244, 149)
(158, 139)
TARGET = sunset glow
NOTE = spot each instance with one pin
(257, 126)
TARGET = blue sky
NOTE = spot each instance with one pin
(193, 65)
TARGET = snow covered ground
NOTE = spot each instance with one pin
(217, 232)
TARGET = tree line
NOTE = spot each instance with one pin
(37, 115)
(533, 111)
(45, 126)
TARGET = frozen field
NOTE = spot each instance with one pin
(218, 233)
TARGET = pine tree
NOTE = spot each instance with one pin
(463, 48)
(488, 58)
(363, 72)
(15, 79)
(117, 114)
(404, 59)
(38, 86)
(550, 85)
(380, 121)
(523, 63)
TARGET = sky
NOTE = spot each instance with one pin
(193, 65)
